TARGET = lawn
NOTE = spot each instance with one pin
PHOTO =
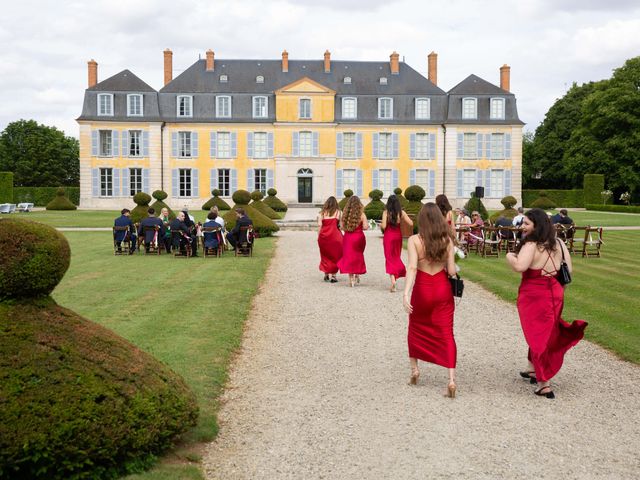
(600, 219)
(604, 291)
(189, 313)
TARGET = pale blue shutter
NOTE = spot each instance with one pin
(412, 177)
(194, 144)
(126, 186)
(295, 150)
(394, 137)
(213, 179)
(432, 183)
(115, 182)
(145, 144)
(359, 145)
(487, 184)
(479, 178)
(461, 145)
(269, 178)
(375, 179)
(115, 137)
(175, 183)
(250, 144)
(95, 182)
(213, 136)
(375, 145)
(195, 183)
(339, 145)
(250, 180)
(270, 145)
(432, 146)
(94, 142)
(234, 180)
(145, 180)
(339, 193)
(174, 144)
(507, 182)
(507, 145)
(316, 150)
(479, 145)
(394, 179)
(412, 145)
(125, 143)
(459, 183)
(487, 142)
(359, 182)
(234, 144)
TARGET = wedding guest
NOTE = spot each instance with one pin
(124, 220)
(242, 220)
(329, 239)
(392, 217)
(151, 235)
(166, 219)
(475, 235)
(353, 222)
(445, 207)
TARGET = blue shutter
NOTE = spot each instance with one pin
(487, 142)
(359, 145)
(432, 183)
(316, 150)
(394, 179)
(195, 183)
(460, 145)
(125, 143)
(479, 182)
(295, 149)
(412, 176)
(507, 145)
(94, 142)
(250, 144)
(339, 145)
(95, 182)
(412, 145)
(174, 144)
(145, 181)
(359, 182)
(269, 178)
(270, 145)
(213, 178)
(194, 144)
(115, 137)
(394, 137)
(479, 145)
(175, 179)
(375, 145)
(375, 179)
(145, 144)
(213, 136)
(115, 182)
(507, 182)
(432, 146)
(339, 193)
(234, 144)
(459, 182)
(250, 180)
(234, 180)
(126, 190)
(487, 184)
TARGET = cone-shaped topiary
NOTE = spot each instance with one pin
(159, 204)
(216, 201)
(77, 400)
(475, 204)
(544, 202)
(274, 202)
(262, 207)
(261, 223)
(60, 201)
(373, 210)
(343, 203)
(403, 200)
(140, 211)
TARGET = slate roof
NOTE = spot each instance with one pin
(125, 81)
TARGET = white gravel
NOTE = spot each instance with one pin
(319, 390)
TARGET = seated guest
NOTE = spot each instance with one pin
(476, 231)
(166, 238)
(183, 237)
(503, 221)
(124, 220)
(241, 221)
(193, 230)
(518, 219)
(562, 218)
(151, 236)
(211, 238)
(219, 218)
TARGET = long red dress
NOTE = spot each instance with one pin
(330, 243)
(430, 336)
(392, 243)
(353, 245)
(540, 302)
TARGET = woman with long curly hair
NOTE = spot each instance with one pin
(540, 300)
(353, 222)
(329, 239)
(447, 211)
(392, 216)
(431, 307)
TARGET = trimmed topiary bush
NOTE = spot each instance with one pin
(274, 202)
(475, 204)
(543, 202)
(241, 197)
(593, 184)
(60, 202)
(140, 211)
(414, 195)
(563, 198)
(614, 208)
(343, 203)
(403, 200)
(509, 202)
(77, 401)
(159, 204)
(509, 213)
(262, 207)
(262, 224)
(6, 187)
(373, 210)
(215, 201)
(40, 196)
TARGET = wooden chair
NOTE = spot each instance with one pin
(507, 236)
(576, 242)
(176, 245)
(565, 232)
(212, 252)
(244, 245)
(155, 246)
(491, 242)
(461, 237)
(592, 241)
(126, 243)
(475, 239)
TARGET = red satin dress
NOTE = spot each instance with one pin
(330, 243)
(392, 243)
(353, 245)
(430, 335)
(540, 302)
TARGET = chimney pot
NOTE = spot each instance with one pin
(433, 67)
(93, 72)
(394, 63)
(210, 58)
(285, 61)
(505, 77)
(327, 61)
(168, 66)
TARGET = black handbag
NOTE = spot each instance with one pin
(457, 286)
(563, 276)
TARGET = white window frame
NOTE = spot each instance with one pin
(420, 115)
(224, 78)
(382, 100)
(355, 107)
(387, 152)
(260, 79)
(260, 180)
(110, 103)
(266, 106)
(497, 187)
(422, 178)
(106, 182)
(263, 152)
(422, 146)
(347, 80)
(497, 141)
(224, 182)
(219, 151)
(184, 139)
(309, 135)
(135, 181)
(300, 112)
(185, 182)
(501, 114)
(387, 188)
(472, 152)
(348, 154)
(102, 152)
(190, 103)
(219, 110)
(383, 81)
(349, 179)
(130, 96)
(135, 135)
(473, 175)
(467, 116)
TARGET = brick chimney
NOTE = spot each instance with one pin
(210, 56)
(505, 77)
(168, 66)
(285, 61)
(433, 67)
(93, 72)
(395, 63)
(327, 61)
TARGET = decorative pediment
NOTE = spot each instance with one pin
(306, 86)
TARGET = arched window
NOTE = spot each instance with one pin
(305, 172)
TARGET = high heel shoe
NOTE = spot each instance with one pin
(326, 277)
(451, 390)
(413, 379)
(548, 394)
(351, 282)
(393, 287)
(528, 375)
(333, 279)
(358, 279)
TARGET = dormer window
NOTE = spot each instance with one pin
(305, 108)
(224, 79)
(469, 108)
(385, 108)
(223, 106)
(383, 80)
(423, 109)
(260, 108)
(105, 104)
(347, 80)
(259, 79)
(134, 105)
(497, 109)
(349, 107)
(184, 106)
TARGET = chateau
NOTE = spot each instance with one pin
(309, 128)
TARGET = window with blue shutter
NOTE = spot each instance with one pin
(195, 183)
(250, 144)
(507, 146)
(125, 143)
(250, 180)
(126, 187)
(359, 145)
(459, 183)
(395, 145)
(145, 181)
(295, 150)
(339, 193)
(479, 182)
(212, 144)
(269, 178)
(213, 179)
(376, 137)
(479, 145)
(315, 144)
(375, 179)
(432, 146)
(115, 182)
(94, 143)
(359, 182)
(234, 180)
(270, 146)
(487, 143)
(339, 144)
(115, 136)
(394, 179)
(487, 184)
(145, 143)
(412, 177)
(174, 146)
(460, 147)
(95, 182)
(412, 146)
(507, 182)
(194, 144)
(432, 183)
(234, 144)
(175, 183)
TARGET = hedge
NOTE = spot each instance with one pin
(40, 196)
(593, 185)
(6, 187)
(614, 208)
(563, 198)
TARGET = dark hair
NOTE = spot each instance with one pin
(330, 206)
(187, 219)
(563, 212)
(151, 211)
(434, 232)
(240, 211)
(443, 204)
(543, 234)
(212, 215)
(124, 210)
(394, 210)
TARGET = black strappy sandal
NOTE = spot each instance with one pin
(549, 394)
(532, 378)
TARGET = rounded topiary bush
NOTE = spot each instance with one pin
(274, 202)
(257, 195)
(475, 204)
(509, 201)
(543, 202)
(140, 211)
(509, 213)
(241, 197)
(158, 205)
(403, 200)
(34, 258)
(159, 195)
(262, 207)
(60, 201)
(414, 195)
(373, 210)
(343, 203)
(262, 224)
(216, 201)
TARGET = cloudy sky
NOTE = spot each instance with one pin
(548, 43)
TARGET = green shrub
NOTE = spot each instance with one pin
(543, 202)
(415, 193)
(265, 209)
(159, 195)
(263, 225)
(274, 202)
(343, 203)
(509, 202)
(241, 197)
(141, 209)
(475, 204)
(593, 184)
(376, 194)
(509, 213)
(215, 201)
(159, 204)
(6, 187)
(403, 200)
(613, 208)
(272, 192)
(563, 198)
(373, 210)
(40, 196)
(257, 195)
(60, 202)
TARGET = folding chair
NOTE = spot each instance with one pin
(592, 241)
(208, 232)
(157, 245)
(507, 237)
(461, 237)
(244, 245)
(475, 238)
(126, 243)
(177, 238)
(565, 232)
(490, 242)
(576, 242)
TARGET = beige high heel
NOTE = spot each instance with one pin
(451, 390)
(413, 379)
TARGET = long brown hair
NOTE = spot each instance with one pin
(394, 210)
(434, 232)
(330, 206)
(352, 213)
(443, 204)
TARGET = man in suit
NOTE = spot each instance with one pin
(562, 218)
(151, 236)
(124, 220)
(181, 235)
(241, 221)
(212, 239)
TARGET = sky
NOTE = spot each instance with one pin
(549, 44)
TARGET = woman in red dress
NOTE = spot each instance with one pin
(540, 300)
(447, 211)
(353, 223)
(329, 239)
(392, 216)
(431, 308)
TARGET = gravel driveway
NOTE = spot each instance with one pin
(319, 390)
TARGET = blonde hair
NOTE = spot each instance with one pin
(352, 213)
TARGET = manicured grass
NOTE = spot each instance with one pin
(604, 291)
(600, 219)
(188, 313)
(86, 218)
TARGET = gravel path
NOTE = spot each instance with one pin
(319, 390)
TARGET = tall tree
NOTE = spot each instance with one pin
(38, 155)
